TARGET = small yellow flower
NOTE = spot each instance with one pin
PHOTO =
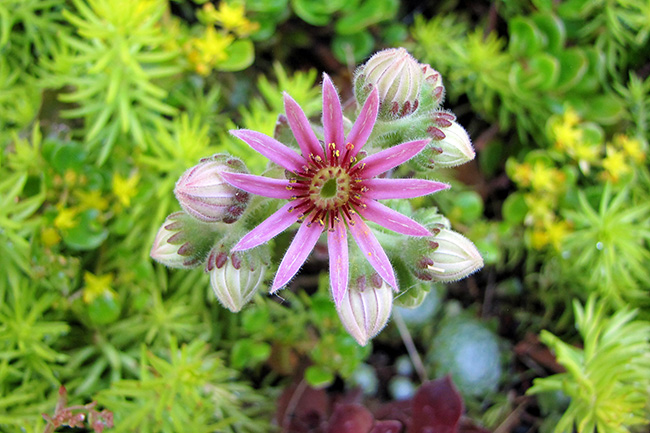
(557, 232)
(587, 154)
(208, 51)
(566, 131)
(66, 218)
(539, 238)
(97, 285)
(546, 179)
(566, 136)
(50, 237)
(70, 177)
(523, 174)
(540, 210)
(631, 147)
(125, 188)
(549, 233)
(231, 17)
(615, 164)
(91, 200)
(570, 117)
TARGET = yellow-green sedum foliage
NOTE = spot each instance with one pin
(114, 64)
(607, 380)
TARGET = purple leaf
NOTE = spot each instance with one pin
(437, 407)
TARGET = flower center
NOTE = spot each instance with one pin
(330, 188)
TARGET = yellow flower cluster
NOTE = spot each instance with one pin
(616, 158)
(208, 50)
(96, 286)
(230, 17)
(74, 201)
(622, 155)
(545, 186)
(570, 139)
(125, 188)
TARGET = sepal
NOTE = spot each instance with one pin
(182, 241)
(450, 145)
(446, 256)
(235, 277)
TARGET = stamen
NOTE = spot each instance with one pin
(347, 214)
(433, 268)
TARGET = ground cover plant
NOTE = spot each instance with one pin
(307, 216)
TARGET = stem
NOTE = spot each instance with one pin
(410, 346)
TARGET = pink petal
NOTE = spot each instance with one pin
(269, 228)
(272, 149)
(259, 185)
(365, 122)
(371, 249)
(337, 245)
(332, 114)
(301, 128)
(390, 158)
(392, 220)
(381, 189)
(300, 248)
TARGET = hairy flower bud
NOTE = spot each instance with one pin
(397, 76)
(182, 241)
(447, 256)
(202, 192)
(366, 307)
(235, 277)
(450, 145)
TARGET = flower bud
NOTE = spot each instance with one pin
(235, 277)
(450, 145)
(448, 256)
(182, 242)
(202, 192)
(366, 307)
(398, 78)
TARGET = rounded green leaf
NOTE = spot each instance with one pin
(316, 12)
(352, 48)
(254, 320)
(525, 38)
(603, 109)
(104, 309)
(394, 34)
(468, 351)
(514, 208)
(318, 376)
(369, 13)
(490, 250)
(468, 206)
(68, 157)
(88, 234)
(553, 29)
(589, 83)
(573, 66)
(545, 69)
(248, 353)
(539, 73)
(241, 54)
(266, 6)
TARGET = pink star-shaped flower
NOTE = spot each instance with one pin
(329, 188)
